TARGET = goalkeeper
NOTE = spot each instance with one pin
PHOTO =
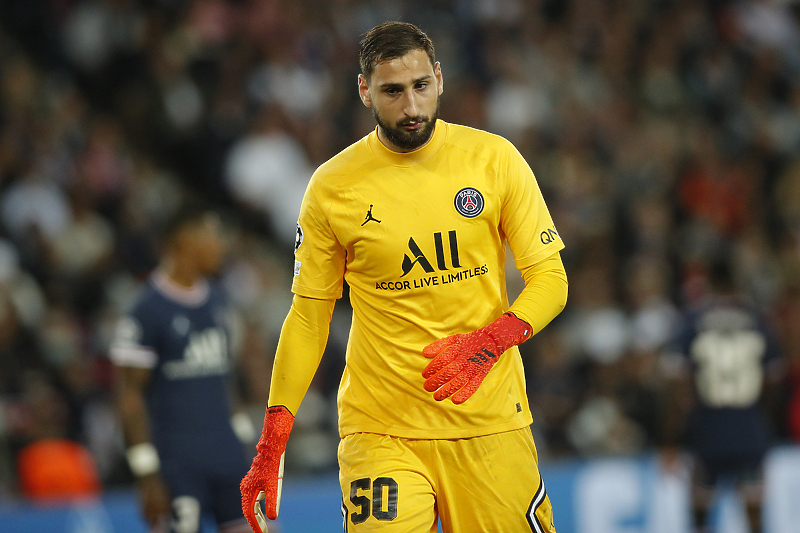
(415, 216)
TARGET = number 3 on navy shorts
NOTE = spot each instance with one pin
(383, 502)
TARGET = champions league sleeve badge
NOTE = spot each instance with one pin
(469, 202)
(298, 238)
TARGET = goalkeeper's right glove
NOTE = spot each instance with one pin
(265, 478)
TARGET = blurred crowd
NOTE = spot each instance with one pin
(661, 132)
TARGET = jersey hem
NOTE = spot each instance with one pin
(538, 257)
(437, 434)
(317, 294)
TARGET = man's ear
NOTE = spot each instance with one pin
(437, 71)
(363, 90)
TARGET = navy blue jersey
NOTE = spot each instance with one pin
(728, 349)
(182, 336)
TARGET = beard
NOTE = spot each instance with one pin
(404, 139)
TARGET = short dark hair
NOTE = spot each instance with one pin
(189, 213)
(391, 40)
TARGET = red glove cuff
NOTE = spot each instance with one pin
(278, 422)
(507, 331)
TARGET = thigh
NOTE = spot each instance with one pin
(492, 484)
(189, 491)
(385, 485)
(226, 501)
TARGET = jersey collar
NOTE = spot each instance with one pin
(190, 297)
(407, 159)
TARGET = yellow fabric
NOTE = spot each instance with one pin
(300, 348)
(488, 483)
(544, 295)
(419, 270)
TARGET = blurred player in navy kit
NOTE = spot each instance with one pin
(173, 353)
(728, 361)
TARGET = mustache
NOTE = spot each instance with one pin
(412, 120)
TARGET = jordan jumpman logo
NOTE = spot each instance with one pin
(370, 217)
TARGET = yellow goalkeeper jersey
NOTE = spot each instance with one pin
(420, 239)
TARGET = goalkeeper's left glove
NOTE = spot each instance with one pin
(265, 478)
(462, 361)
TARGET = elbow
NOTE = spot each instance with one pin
(563, 292)
(561, 284)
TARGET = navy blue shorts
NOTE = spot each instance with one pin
(742, 470)
(209, 487)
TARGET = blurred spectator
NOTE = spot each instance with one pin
(55, 470)
(787, 316)
(35, 210)
(653, 315)
(554, 390)
(268, 170)
(49, 466)
(598, 328)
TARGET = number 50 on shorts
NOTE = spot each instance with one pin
(377, 498)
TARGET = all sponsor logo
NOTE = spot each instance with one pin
(441, 260)
(447, 269)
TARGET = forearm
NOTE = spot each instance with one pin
(133, 411)
(142, 455)
(544, 295)
(302, 342)
(134, 422)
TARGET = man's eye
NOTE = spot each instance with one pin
(421, 86)
(391, 92)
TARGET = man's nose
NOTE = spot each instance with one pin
(411, 107)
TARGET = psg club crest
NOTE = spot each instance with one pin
(469, 202)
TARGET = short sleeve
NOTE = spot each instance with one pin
(319, 257)
(132, 344)
(772, 354)
(525, 219)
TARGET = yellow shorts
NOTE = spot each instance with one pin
(488, 484)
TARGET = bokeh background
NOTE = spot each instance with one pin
(661, 132)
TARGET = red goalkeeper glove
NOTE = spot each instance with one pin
(265, 478)
(461, 361)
